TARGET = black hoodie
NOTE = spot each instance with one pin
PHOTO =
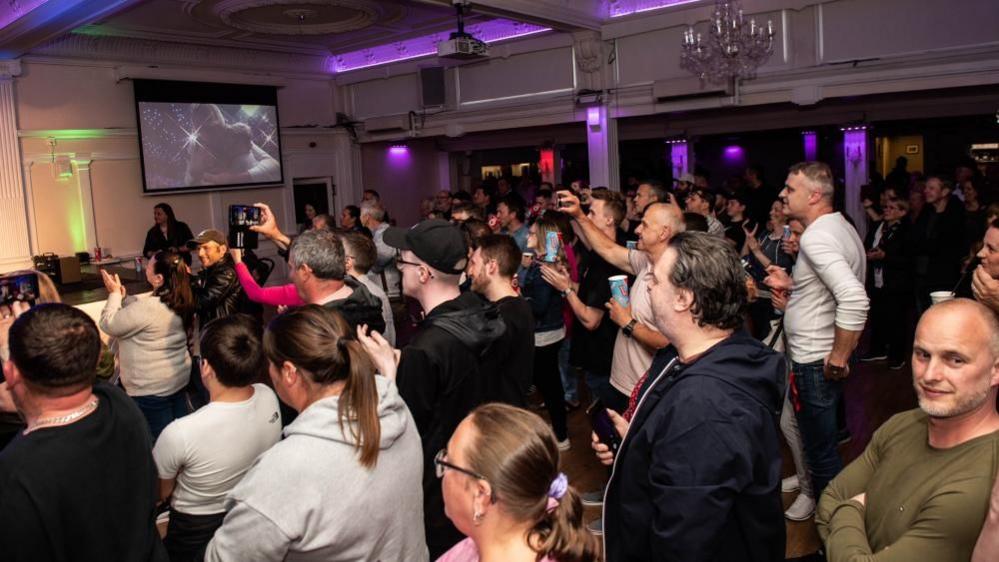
(360, 307)
(439, 378)
(698, 474)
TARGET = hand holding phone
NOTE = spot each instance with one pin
(605, 427)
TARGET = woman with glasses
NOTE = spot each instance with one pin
(345, 483)
(150, 334)
(503, 490)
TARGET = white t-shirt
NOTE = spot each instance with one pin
(632, 359)
(828, 288)
(210, 450)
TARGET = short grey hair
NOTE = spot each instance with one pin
(374, 210)
(322, 251)
(708, 267)
(819, 175)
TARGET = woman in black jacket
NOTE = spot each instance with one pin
(167, 235)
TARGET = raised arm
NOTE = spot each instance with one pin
(596, 240)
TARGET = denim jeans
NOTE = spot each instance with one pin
(817, 421)
(161, 410)
(568, 373)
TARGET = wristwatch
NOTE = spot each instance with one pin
(565, 293)
(629, 328)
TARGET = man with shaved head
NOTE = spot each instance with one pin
(638, 339)
(920, 490)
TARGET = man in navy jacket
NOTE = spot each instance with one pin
(697, 476)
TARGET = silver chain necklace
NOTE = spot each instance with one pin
(87, 408)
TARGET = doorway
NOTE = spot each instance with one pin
(319, 193)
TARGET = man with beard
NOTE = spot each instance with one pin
(509, 363)
(920, 490)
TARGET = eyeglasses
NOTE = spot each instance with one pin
(442, 465)
(400, 261)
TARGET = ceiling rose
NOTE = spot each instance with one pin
(298, 17)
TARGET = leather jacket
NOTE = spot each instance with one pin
(217, 291)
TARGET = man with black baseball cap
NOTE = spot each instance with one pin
(440, 371)
(216, 287)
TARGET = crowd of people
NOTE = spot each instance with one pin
(708, 326)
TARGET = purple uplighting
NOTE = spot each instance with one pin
(398, 149)
(678, 157)
(13, 11)
(628, 7)
(811, 141)
(593, 116)
(488, 31)
(734, 153)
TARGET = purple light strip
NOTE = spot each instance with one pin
(811, 140)
(628, 7)
(488, 31)
(398, 149)
(13, 11)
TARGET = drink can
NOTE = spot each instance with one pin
(619, 289)
(632, 244)
(97, 253)
(551, 246)
(138, 264)
(787, 232)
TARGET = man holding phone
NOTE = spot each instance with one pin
(697, 475)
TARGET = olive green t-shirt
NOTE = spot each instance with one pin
(921, 503)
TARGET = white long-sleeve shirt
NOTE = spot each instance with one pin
(828, 288)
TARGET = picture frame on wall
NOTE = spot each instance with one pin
(912, 149)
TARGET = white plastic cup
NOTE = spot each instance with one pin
(940, 296)
(619, 289)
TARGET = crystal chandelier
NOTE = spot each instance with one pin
(733, 49)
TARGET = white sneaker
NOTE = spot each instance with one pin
(802, 508)
(564, 445)
(790, 484)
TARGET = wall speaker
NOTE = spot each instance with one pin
(432, 87)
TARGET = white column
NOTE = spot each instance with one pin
(601, 141)
(81, 170)
(855, 175)
(15, 249)
(347, 174)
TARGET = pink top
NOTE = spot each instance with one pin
(465, 551)
(283, 295)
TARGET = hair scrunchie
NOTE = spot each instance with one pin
(556, 490)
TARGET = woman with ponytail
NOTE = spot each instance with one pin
(503, 489)
(345, 483)
(150, 334)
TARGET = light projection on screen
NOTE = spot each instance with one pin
(204, 145)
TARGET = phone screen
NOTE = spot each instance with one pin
(19, 286)
(244, 215)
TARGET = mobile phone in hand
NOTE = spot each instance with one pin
(603, 426)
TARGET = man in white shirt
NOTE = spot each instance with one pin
(383, 271)
(201, 457)
(826, 311)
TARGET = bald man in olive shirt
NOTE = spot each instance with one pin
(921, 489)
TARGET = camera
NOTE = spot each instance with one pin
(241, 218)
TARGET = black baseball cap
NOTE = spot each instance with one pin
(438, 243)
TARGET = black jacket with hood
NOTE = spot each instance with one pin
(360, 307)
(441, 380)
(697, 477)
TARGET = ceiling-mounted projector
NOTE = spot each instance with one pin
(460, 45)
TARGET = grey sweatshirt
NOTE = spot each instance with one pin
(309, 499)
(151, 343)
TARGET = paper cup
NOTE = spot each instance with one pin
(940, 296)
(551, 247)
(619, 289)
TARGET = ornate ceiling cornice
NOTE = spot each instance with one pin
(76, 45)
